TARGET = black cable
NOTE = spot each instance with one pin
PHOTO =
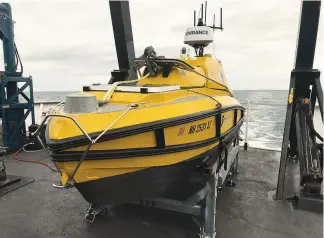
(217, 103)
(18, 58)
(16, 64)
(309, 121)
(217, 89)
(312, 129)
(208, 78)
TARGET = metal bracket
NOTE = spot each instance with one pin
(60, 186)
(299, 141)
(209, 193)
(94, 211)
(14, 113)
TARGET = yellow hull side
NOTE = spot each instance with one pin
(96, 169)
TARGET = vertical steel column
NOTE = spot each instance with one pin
(247, 119)
(122, 26)
(7, 38)
(285, 142)
(12, 111)
(210, 209)
(302, 77)
(9, 47)
(306, 45)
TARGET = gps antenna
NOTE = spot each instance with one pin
(220, 27)
(221, 18)
(205, 12)
(202, 12)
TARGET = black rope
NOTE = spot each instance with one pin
(217, 103)
(310, 124)
(149, 56)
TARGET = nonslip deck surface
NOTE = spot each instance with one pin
(245, 211)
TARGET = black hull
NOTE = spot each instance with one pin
(168, 181)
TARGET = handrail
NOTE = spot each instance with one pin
(64, 116)
(247, 125)
(70, 181)
(267, 122)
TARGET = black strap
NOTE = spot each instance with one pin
(225, 159)
(235, 117)
(159, 136)
(218, 119)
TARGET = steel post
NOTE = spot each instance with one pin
(247, 125)
(285, 142)
(210, 210)
(122, 26)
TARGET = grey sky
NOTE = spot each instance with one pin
(67, 44)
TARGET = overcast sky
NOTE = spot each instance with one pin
(67, 44)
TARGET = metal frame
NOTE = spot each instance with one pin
(14, 135)
(215, 176)
(298, 142)
(122, 26)
(12, 111)
(285, 143)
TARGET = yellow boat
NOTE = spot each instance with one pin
(145, 137)
(160, 130)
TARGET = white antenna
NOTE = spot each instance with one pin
(201, 35)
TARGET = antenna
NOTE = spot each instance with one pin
(200, 17)
(202, 12)
(200, 36)
(202, 21)
(221, 22)
(221, 18)
(205, 12)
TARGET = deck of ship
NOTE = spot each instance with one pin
(247, 210)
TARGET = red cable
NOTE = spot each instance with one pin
(31, 161)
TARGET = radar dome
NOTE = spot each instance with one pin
(199, 35)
